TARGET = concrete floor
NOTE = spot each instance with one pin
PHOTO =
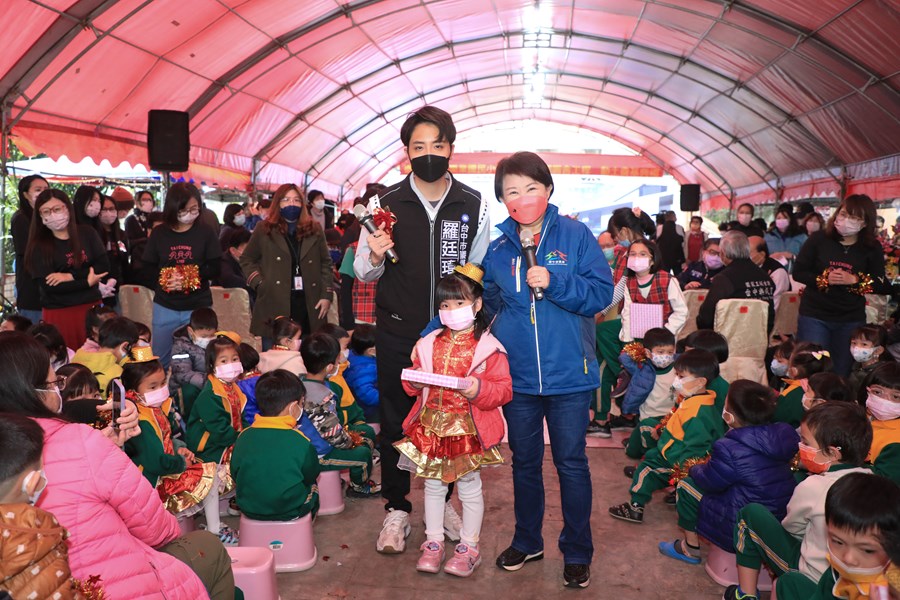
(627, 564)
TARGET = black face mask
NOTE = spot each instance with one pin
(430, 167)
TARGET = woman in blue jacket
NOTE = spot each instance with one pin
(552, 360)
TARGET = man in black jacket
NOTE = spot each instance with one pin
(440, 223)
(740, 278)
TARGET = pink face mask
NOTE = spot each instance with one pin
(457, 319)
(527, 209)
(229, 371)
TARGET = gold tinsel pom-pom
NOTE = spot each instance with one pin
(681, 471)
(90, 588)
(635, 351)
(864, 285)
(822, 281)
(190, 277)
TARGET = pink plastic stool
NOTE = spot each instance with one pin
(376, 427)
(187, 525)
(291, 542)
(331, 493)
(772, 595)
(254, 572)
(721, 566)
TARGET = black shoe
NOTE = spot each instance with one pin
(513, 560)
(731, 593)
(577, 576)
(671, 499)
(633, 513)
(599, 430)
(621, 385)
(618, 422)
(625, 443)
(629, 471)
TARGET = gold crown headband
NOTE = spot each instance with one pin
(141, 354)
(472, 271)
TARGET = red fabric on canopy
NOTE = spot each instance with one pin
(731, 95)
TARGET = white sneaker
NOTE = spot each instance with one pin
(392, 539)
(452, 522)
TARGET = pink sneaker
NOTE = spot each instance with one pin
(463, 561)
(432, 557)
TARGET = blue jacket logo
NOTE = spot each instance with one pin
(556, 257)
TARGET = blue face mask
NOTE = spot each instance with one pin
(609, 253)
(625, 243)
(290, 213)
(779, 369)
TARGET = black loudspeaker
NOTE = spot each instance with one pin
(690, 197)
(168, 140)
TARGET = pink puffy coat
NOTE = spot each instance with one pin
(490, 367)
(113, 515)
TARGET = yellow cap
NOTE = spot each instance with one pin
(231, 335)
(140, 354)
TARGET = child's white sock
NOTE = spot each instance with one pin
(211, 508)
(435, 497)
(470, 494)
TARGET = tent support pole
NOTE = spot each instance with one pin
(4, 157)
(254, 176)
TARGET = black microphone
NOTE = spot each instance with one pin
(530, 260)
(366, 220)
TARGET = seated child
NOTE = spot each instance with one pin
(778, 367)
(862, 512)
(33, 553)
(81, 396)
(185, 484)
(752, 463)
(274, 465)
(15, 322)
(826, 387)
(452, 433)
(93, 319)
(867, 344)
(50, 338)
(352, 416)
(806, 360)
(686, 434)
(117, 336)
(145, 336)
(650, 391)
(320, 355)
(834, 440)
(883, 406)
(285, 354)
(714, 342)
(188, 362)
(362, 373)
(217, 416)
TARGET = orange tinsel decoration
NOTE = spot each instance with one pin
(680, 471)
(635, 351)
(90, 588)
(190, 277)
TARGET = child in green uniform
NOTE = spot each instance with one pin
(861, 511)
(320, 353)
(273, 464)
(835, 437)
(883, 406)
(216, 418)
(687, 434)
(184, 483)
(714, 342)
(352, 416)
(826, 387)
(807, 359)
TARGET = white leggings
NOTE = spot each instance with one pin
(468, 488)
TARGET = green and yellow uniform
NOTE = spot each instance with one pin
(790, 404)
(216, 419)
(884, 456)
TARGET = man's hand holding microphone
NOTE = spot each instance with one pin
(380, 243)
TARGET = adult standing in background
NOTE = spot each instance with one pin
(233, 218)
(187, 255)
(839, 266)
(86, 203)
(28, 297)
(321, 214)
(288, 264)
(67, 261)
(670, 240)
(759, 254)
(785, 236)
(744, 224)
(695, 240)
(113, 239)
(553, 366)
(440, 223)
(137, 228)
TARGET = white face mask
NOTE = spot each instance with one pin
(92, 209)
(187, 218)
(53, 391)
(108, 217)
(319, 204)
(345, 355)
(661, 361)
(848, 571)
(638, 264)
(34, 497)
(847, 226)
(727, 417)
(779, 369)
(239, 220)
(203, 342)
(156, 397)
(678, 383)
(861, 354)
(229, 371)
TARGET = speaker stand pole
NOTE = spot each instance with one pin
(166, 180)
